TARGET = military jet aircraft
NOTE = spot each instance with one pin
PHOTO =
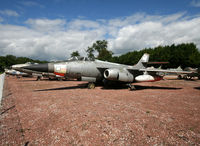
(15, 73)
(181, 74)
(96, 70)
(195, 72)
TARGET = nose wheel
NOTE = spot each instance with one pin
(91, 85)
(38, 78)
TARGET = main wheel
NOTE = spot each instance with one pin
(38, 78)
(91, 86)
(189, 78)
(59, 79)
(179, 77)
(131, 87)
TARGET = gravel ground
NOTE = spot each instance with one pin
(66, 113)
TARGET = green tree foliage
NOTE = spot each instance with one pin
(74, 54)
(9, 60)
(184, 55)
(2, 63)
(90, 53)
(101, 48)
(104, 54)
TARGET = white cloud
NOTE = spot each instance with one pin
(9, 13)
(195, 3)
(45, 43)
(155, 31)
(83, 24)
(46, 25)
(57, 39)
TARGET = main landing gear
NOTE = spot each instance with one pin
(131, 87)
(38, 78)
(91, 85)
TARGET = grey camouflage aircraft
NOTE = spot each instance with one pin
(96, 70)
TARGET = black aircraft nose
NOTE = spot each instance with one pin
(37, 67)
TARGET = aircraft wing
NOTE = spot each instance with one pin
(166, 71)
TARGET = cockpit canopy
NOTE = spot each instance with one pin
(30, 63)
(79, 58)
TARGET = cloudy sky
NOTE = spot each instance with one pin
(53, 29)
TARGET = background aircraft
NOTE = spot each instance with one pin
(97, 70)
(38, 74)
(190, 74)
(195, 72)
(15, 73)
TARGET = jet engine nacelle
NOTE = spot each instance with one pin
(118, 75)
(147, 78)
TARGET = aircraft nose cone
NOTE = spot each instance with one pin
(37, 67)
(13, 67)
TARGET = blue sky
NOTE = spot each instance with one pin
(94, 9)
(44, 29)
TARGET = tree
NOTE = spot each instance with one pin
(104, 54)
(74, 54)
(101, 48)
(2, 63)
(90, 53)
(100, 45)
(9, 60)
(184, 55)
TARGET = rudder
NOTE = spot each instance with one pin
(143, 61)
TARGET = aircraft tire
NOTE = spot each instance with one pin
(59, 79)
(179, 77)
(185, 77)
(91, 86)
(38, 78)
(189, 77)
(131, 87)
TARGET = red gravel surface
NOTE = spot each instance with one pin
(65, 113)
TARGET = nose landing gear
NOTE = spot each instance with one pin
(91, 85)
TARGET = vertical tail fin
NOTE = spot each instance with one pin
(143, 61)
(179, 68)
